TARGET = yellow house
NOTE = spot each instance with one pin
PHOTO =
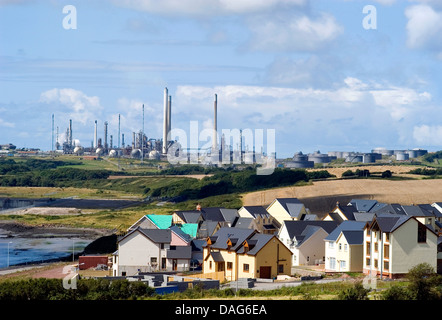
(287, 209)
(245, 253)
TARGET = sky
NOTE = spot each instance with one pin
(327, 75)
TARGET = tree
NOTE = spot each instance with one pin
(387, 174)
(423, 282)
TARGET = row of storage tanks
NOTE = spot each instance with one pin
(301, 160)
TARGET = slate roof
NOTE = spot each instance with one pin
(189, 216)
(431, 209)
(296, 228)
(256, 211)
(256, 243)
(364, 216)
(155, 235)
(414, 211)
(212, 214)
(389, 222)
(285, 201)
(345, 226)
(244, 223)
(179, 252)
(236, 235)
(354, 237)
(229, 215)
(363, 205)
(348, 211)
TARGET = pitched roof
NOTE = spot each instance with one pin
(189, 216)
(190, 228)
(394, 208)
(295, 228)
(244, 223)
(363, 216)
(178, 231)
(349, 225)
(389, 222)
(294, 209)
(235, 235)
(212, 214)
(229, 215)
(363, 205)
(155, 235)
(348, 211)
(256, 211)
(160, 220)
(354, 237)
(285, 201)
(179, 252)
(256, 243)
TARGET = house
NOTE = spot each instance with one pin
(246, 223)
(147, 250)
(305, 239)
(183, 217)
(153, 221)
(282, 209)
(344, 247)
(395, 243)
(245, 253)
(350, 212)
(265, 223)
(366, 205)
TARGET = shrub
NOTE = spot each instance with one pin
(358, 292)
(396, 292)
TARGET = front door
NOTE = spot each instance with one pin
(265, 272)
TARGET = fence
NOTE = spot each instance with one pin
(210, 275)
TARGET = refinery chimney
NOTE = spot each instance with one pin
(70, 133)
(105, 136)
(165, 123)
(169, 117)
(215, 133)
(95, 136)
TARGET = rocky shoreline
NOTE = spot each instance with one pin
(10, 229)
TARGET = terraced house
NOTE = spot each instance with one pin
(245, 253)
(393, 244)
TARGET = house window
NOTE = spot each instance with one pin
(229, 265)
(421, 233)
(387, 237)
(368, 249)
(386, 265)
(386, 251)
(376, 263)
(245, 267)
(368, 232)
(343, 264)
(210, 264)
(153, 261)
(345, 247)
(367, 261)
(123, 273)
(280, 268)
(331, 244)
(340, 246)
(162, 245)
(332, 263)
(375, 247)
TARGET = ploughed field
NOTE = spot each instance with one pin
(321, 196)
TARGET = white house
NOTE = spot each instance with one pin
(305, 239)
(344, 247)
(147, 250)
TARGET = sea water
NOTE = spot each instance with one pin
(23, 251)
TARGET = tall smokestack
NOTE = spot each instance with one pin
(105, 136)
(52, 135)
(70, 133)
(215, 133)
(169, 117)
(165, 123)
(95, 136)
(118, 145)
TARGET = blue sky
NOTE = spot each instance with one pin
(308, 69)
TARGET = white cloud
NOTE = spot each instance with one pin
(428, 135)
(204, 7)
(424, 27)
(80, 107)
(6, 124)
(292, 32)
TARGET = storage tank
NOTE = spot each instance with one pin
(369, 158)
(420, 152)
(353, 159)
(136, 153)
(112, 153)
(78, 150)
(412, 154)
(299, 164)
(299, 156)
(402, 156)
(154, 154)
(99, 151)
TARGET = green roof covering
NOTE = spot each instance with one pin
(160, 220)
(190, 229)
